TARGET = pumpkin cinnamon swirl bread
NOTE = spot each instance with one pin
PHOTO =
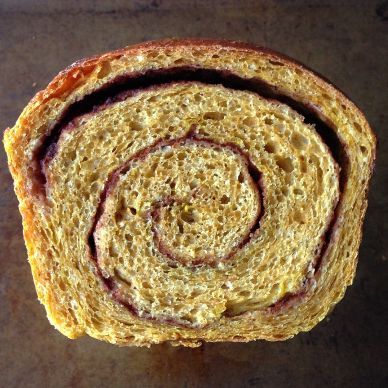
(189, 191)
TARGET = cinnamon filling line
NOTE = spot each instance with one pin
(126, 86)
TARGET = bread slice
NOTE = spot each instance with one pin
(189, 191)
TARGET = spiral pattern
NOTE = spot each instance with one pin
(197, 192)
(190, 190)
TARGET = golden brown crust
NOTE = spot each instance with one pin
(40, 114)
(88, 63)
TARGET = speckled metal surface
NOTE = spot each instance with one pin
(347, 41)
